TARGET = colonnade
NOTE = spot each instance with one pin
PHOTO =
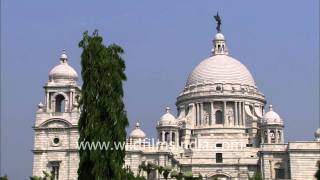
(169, 136)
(204, 118)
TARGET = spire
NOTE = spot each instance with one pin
(63, 57)
(219, 43)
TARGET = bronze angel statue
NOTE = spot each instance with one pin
(218, 19)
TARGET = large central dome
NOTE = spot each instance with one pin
(220, 69)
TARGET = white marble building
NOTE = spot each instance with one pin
(221, 129)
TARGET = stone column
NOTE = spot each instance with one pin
(276, 135)
(243, 122)
(177, 137)
(224, 113)
(201, 114)
(70, 101)
(194, 113)
(47, 102)
(235, 113)
(212, 113)
(170, 137)
(163, 136)
(269, 138)
(197, 114)
(239, 113)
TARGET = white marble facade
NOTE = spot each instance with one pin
(221, 129)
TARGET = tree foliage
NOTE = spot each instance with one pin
(5, 177)
(257, 176)
(47, 176)
(317, 175)
(103, 117)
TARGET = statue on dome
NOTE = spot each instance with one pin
(218, 20)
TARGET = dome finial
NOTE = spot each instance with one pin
(137, 125)
(63, 57)
(270, 107)
(219, 43)
(167, 109)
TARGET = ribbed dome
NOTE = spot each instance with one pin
(271, 117)
(63, 72)
(167, 119)
(137, 133)
(220, 69)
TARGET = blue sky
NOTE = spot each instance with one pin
(163, 41)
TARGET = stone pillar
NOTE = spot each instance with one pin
(163, 136)
(48, 102)
(170, 137)
(177, 137)
(212, 113)
(224, 113)
(194, 113)
(269, 138)
(201, 114)
(243, 122)
(196, 109)
(240, 113)
(236, 113)
(276, 135)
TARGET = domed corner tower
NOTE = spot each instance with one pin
(221, 107)
(168, 129)
(272, 128)
(56, 135)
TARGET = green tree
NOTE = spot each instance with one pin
(177, 175)
(166, 172)
(5, 177)
(317, 175)
(47, 176)
(147, 167)
(103, 117)
(188, 175)
(257, 176)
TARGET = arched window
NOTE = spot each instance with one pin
(279, 136)
(219, 117)
(265, 137)
(166, 137)
(60, 103)
(272, 136)
(279, 171)
(173, 139)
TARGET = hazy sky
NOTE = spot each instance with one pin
(163, 41)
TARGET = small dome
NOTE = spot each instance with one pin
(317, 135)
(63, 72)
(167, 119)
(271, 117)
(220, 69)
(137, 133)
(219, 36)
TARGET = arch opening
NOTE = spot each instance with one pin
(60, 103)
(219, 117)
